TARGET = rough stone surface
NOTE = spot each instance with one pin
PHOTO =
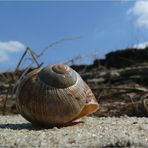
(15, 131)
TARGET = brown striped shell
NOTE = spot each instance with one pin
(54, 96)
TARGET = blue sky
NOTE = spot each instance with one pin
(103, 26)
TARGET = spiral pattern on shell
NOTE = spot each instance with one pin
(54, 96)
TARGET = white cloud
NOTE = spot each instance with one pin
(140, 10)
(3, 56)
(141, 45)
(9, 46)
(12, 46)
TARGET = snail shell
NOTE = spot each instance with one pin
(54, 96)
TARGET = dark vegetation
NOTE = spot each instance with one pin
(119, 82)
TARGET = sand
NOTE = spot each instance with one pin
(15, 131)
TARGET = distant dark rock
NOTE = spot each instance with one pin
(127, 57)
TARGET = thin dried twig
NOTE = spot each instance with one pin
(34, 60)
(20, 61)
(55, 43)
(81, 57)
(10, 90)
(33, 57)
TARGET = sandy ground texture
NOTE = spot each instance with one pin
(15, 131)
